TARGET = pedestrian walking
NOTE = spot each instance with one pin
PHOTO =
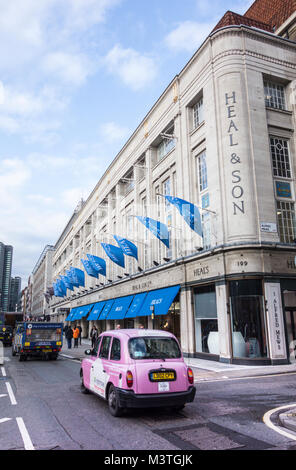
(93, 335)
(80, 333)
(76, 336)
(118, 326)
(69, 336)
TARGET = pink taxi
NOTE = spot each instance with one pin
(137, 368)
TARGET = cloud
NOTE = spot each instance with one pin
(134, 69)
(112, 131)
(188, 36)
(70, 68)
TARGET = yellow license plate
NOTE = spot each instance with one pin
(163, 376)
(46, 350)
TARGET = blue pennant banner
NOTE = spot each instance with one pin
(67, 282)
(115, 254)
(88, 268)
(189, 212)
(158, 229)
(71, 278)
(127, 246)
(98, 264)
(78, 276)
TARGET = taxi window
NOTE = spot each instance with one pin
(115, 350)
(96, 346)
(104, 350)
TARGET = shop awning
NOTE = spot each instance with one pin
(95, 313)
(82, 312)
(71, 314)
(161, 299)
(106, 309)
(135, 306)
(119, 308)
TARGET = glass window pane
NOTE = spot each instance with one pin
(247, 318)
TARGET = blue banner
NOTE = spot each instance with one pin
(57, 291)
(67, 282)
(158, 229)
(98, 264)
(88, 268)
(189, 212)
(115, 254)
(62, 287)
(78, 276)
(71, 278)
(127, 246)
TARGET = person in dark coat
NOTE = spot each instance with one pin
(80, 333)
(69, 336)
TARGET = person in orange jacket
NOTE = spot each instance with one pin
(76, 336)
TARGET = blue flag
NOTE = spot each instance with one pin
(74, 282)
(158, 229)
(67, 282)
(62, 287)
(88, 268)
(115, 254)
(127, 246)
(56, 290)
(98, 264)
(189, 212)
(78, 276)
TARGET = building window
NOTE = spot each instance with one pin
(274, 95)
(202, 172)
(280, 157)
(286, 221)
(247, 319)
(206, 322)
(198, 113)
(166, 187)
(167, 144)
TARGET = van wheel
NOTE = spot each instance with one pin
(82, 386)
(113, 402)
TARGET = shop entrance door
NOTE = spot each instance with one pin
(290, 314)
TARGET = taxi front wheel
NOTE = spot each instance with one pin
(113, 402)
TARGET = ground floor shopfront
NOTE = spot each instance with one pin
(233, 305)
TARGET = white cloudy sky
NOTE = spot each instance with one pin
(76, 78)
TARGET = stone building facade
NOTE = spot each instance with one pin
(222, 137)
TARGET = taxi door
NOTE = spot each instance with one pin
(99, 376)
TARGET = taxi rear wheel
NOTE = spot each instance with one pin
(113, 402)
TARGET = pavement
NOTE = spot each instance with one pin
(210, 371)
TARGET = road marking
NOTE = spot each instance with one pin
(281, 374)
(267, 421)
(25, 435)
(11, 394)
(3, 420)
(4, 395)
(3, 371)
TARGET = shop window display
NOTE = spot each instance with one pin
(206, 322)
(247, 319)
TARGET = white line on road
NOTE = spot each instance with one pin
(11, 394)
(25, 435)
(3, 371)
(4, 395)
(3, 420)
(267, 421)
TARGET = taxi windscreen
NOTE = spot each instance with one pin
(154, 348)
(44, 335)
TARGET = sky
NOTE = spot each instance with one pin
(76, 79)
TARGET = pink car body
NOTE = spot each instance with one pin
(124, 370)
